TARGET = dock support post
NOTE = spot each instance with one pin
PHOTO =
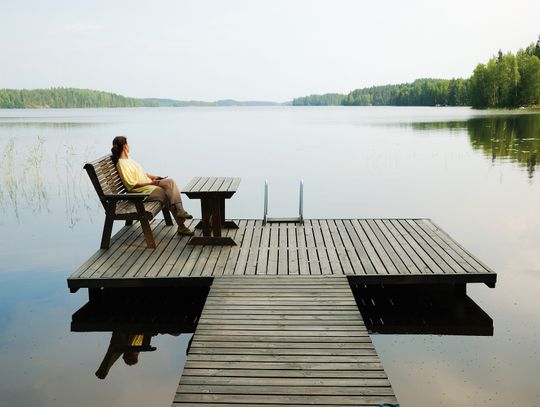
(460, 290)
(94, 294)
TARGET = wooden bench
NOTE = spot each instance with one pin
(120, 204)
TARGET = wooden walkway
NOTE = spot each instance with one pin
(274, 341)
(367, 250)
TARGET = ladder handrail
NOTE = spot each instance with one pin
(265, 217)
(300, 203)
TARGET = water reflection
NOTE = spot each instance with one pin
(513, 137)
(16, 122)
(127, 345)
(134, 316)
(421, 309)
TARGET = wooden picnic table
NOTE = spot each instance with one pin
(212, 191)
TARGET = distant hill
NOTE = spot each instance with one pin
(421, 92)
(65, 98)
(218, 103)
(176, 103)
(87, 98)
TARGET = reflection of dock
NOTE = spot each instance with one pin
(406, 251)
(162, 310)
(415, 309)
(280, 325)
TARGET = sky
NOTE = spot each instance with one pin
(252, 49)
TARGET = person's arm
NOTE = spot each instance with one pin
(152, 177)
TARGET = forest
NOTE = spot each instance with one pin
(65, 98)
(506, 80)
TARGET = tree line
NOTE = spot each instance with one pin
(507, 80)
(65, 98)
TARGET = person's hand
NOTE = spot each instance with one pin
(155, 181)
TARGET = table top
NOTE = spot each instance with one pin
(200, 186)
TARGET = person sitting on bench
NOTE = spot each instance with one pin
(136, 179)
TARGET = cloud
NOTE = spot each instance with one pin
(79, 27)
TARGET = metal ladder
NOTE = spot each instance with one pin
(299, 219)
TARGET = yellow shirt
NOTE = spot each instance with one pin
(132, 173)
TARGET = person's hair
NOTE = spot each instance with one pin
(131, 358)
(118, 144)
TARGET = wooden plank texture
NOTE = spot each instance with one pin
(277, 357)
(370, 250)
(212, 184)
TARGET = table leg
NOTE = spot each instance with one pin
(212, 222)
(222, 209)
(206, 212)
(225, 224)
(216, 217)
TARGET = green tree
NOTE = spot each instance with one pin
(529, 84)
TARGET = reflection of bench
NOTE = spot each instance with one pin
(120, 204)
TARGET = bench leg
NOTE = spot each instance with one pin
(145, 224)
(167, 216)
(107, 231)
(149, 237)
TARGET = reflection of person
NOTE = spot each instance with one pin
(121, 343)
(137, 180)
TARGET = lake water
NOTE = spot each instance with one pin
(472, 172)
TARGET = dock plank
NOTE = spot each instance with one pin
(262, 260)
(472, 260)
(282, 358)
(272, 264)
(369, 250)
(303, 260)
(283, 261)
(253, 256)
(292, 251)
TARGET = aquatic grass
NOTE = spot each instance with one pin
(72, 206)
(10, 181)
(35, 189)
(2, 161)
(75, 188)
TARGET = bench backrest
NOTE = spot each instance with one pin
(105, 177)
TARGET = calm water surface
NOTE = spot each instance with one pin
(472, 172)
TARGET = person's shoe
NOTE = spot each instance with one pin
(184, 215)
(184, 230)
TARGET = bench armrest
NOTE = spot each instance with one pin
(132, 196)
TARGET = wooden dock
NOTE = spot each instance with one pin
(381, 251)
(270, 341)
(280, 325)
